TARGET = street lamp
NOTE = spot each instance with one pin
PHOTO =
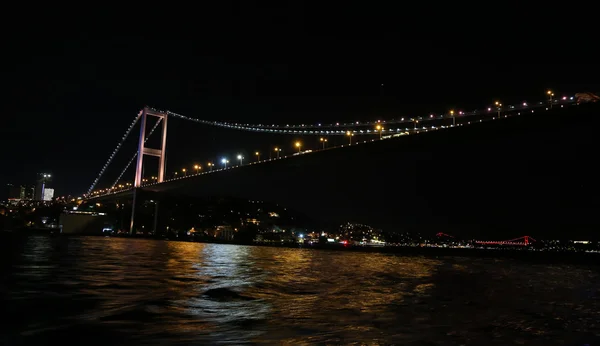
(453, 118)
(415, 125)
(277, 150)
(298, 145)
(184, 172)
(241, 158)
(210, 165)
(257, 156)
(499, 106)
(196, 167)
(224, 161)
(323, 140)
(350, 134)
(380, 129)
(550, 94)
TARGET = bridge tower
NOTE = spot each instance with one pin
(142, 151)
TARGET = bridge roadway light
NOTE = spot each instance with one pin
(210, 165)
(499, 106)
(184, 171)
(453, 119)
(196, 167)
(277, 150)
(299, 146)
(257, 156)
(224, 161)
(323, 140)
(350, 134)
(241, 158)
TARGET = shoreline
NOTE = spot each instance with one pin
(566, 257)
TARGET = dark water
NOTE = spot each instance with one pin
(109, 291)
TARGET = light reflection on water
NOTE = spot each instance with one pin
(127, 291)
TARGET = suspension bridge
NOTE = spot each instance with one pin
(363, 142)
(521, 241)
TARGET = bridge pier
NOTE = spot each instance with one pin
(139, 199)
(142, 151)
(133, 203)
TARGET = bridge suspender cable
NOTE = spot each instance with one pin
(114, 153)
(135, 155)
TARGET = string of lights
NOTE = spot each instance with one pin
(114, 153)
(341, 129)
(135, 154)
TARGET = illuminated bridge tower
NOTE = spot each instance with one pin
(142, 151)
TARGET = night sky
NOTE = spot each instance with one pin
(74, 81)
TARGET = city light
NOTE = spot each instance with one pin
(298, 145)
(241, 158)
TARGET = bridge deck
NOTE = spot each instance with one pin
(455, 180)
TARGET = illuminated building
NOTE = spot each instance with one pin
(41, 185)
(48, 194)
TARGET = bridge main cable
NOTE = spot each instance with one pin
(342, 129)
(263, 129)
(114, 153)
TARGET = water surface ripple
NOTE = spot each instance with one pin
(112, 291)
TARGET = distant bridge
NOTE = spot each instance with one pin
(521, 241)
